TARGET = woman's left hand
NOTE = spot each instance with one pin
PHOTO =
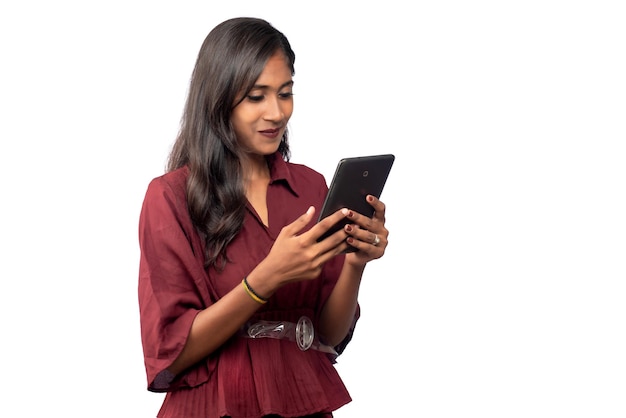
(368, 235)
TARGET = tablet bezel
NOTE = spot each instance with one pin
(353, 180)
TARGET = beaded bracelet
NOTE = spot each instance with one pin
(251, 292)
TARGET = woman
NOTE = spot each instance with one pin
(242, 311)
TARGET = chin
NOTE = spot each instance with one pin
(269, 150)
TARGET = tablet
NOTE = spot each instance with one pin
(354, 179)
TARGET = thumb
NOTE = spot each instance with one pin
(306, 218)
(302, 221)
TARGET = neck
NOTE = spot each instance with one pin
(255, 169)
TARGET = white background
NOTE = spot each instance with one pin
(502, 292)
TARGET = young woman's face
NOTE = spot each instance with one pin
(261, 118)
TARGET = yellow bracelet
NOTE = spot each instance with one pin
(251, 292)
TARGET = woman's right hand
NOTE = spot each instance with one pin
(298, 256)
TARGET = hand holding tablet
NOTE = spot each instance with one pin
(354, 179)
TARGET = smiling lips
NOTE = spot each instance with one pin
(270, 133)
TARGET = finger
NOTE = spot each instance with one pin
(368, 236)
(329, 223)
(378, 205)
(367, 246)
(334, 243)
(303, 220)
(371, 243)
(365, 223)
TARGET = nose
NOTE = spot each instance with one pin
(274, 111)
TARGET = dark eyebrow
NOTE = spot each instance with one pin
(264, 87)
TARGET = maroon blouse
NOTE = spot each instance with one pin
(245, 377)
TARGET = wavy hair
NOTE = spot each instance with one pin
(231, 59)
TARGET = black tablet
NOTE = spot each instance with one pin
(354, 179)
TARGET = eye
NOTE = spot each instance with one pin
(285, 95)
(255, 98)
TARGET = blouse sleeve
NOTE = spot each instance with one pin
(172, 286)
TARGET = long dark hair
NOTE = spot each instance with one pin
(231, 59)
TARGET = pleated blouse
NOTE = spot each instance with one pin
(245, 378)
